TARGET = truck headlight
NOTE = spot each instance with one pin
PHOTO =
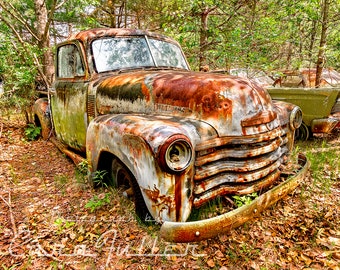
(295, 118)
(175, 154)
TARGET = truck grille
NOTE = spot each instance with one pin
(91, 101)
(238, 165)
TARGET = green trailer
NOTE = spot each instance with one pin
(320, 107)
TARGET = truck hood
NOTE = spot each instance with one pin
(232, 105)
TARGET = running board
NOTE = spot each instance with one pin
(76, 158)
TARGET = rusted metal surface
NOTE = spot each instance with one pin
(226, 188)
(136, 140)
(326, 125)
(233, 138)
(233, 106)
(228, 160)
(204, 229)
(87, 36)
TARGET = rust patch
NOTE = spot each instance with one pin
(87, 36)
(209, 96)
(122, 87)
(326, 125)
(162, 202)
(195, 91)
(178, 195)
(262, 117)
(239, 189)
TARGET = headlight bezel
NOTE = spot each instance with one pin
(177, 146)
(295, 118)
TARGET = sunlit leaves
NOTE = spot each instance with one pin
(17, 73)
(243, 33)
(269, 35)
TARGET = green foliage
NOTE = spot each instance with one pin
(326, 156)
(32, 132)
(63, 225)
(23, 58)
(54, 265)
(221, 205)
(61, 179)
(18, 73)
(83, 167)
(245, 199)
(99, 178)
(208, 210)
(81, 173)
(268, 35)
(261, 34)
(77, 13)
(97, 202)
(60, 182)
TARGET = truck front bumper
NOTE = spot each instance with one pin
(183, 232)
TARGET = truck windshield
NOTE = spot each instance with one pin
(135, 52)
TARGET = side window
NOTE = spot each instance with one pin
(69, 62)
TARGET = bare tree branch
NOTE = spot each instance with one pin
(17, 35)
(60, 4)
(17, 16)
(9, 204)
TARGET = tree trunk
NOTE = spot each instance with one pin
(321, 54)
(42, 29)
(112, 13)
(312, 42)
(203, 38)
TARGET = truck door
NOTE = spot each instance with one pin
(68, 97)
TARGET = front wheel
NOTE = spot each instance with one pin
(303, 133)
(124, 180)
(42, 117)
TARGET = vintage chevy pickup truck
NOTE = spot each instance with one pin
(170, 138)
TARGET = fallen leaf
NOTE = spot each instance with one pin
(211, 263)
(80, 238)
(306, 259)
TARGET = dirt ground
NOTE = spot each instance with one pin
(50, 218)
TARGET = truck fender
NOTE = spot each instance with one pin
(135, 141)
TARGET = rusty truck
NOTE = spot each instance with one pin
(170, 138)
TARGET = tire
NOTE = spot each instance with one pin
(126, 182)
(45, 129)
(42, 117)
(303, 133)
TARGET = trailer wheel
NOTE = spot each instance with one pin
(124, 180)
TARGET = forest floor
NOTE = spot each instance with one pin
(50, 218)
